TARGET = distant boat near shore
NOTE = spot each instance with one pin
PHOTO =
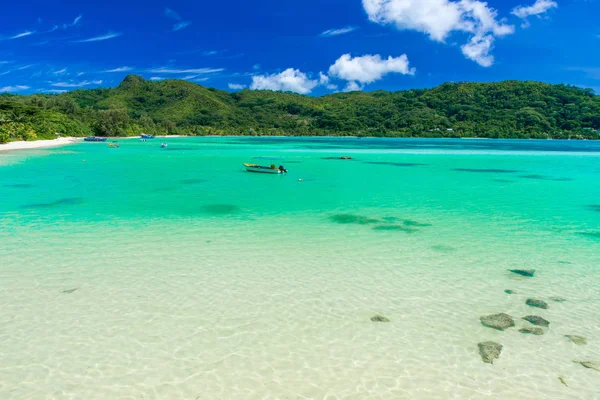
(144, 136)
(95, 139)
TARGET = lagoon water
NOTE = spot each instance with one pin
(148, 273)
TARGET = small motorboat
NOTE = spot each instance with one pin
(95, 139)
(265, 170)
(144, 136)
(114, 145)
(163, 145)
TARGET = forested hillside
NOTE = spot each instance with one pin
(508, 109)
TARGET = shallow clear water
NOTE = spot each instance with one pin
(197, 280)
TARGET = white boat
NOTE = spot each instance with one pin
(265, 170)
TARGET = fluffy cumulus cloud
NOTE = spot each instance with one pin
(236, 86)
(440, 18)
(536, 9)
(359, 71)
(290, 80)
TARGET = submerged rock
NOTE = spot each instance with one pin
(379, 318)
(70, 290)
(558, 299)
(579, 340)
(489, 351)
(508, 291)
(537, 303)
(397, 228)
(563, 381)
(498, 321)
(534, 331)
(352, 219)
(535, 320)
(523, 272)
(590, 364)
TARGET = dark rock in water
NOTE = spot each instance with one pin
(487, 170)
(533, 331)
(523, 272)
(338, 158)
(535, 320)
(594, 207)
(379, 318)
(593, 235)
(546, 178)
(537, 303)
(409, 222)
(498, 321)
(221, 209)
(352, 219)
(69, 290)
(68, 201)
(563, 381)
(489, 351)
(565, 262)
(345, 158)
(558, 299)
(579, 340)
(590, 364)
(508, 291)
(398, 228)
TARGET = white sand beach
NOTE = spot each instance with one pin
(38, 144)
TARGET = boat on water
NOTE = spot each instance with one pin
(114, 145)
(95, 139)
(144, 136)
(163, 145)
(265, 170)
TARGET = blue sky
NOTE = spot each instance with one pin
(312, 46)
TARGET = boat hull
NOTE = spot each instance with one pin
(95, 139)
(263, 170)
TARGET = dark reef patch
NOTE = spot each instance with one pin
(594, 207)
(502, 180)
(593, 235)
(67, 201)
(410, 222)
(545, 178)
(487, 170)
(221, 209)
(396, 228)
(352, 219)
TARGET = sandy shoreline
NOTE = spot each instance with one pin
(38, 144)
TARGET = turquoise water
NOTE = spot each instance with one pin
(196, 279)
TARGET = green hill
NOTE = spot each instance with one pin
(508, 109)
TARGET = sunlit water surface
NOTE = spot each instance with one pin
(149, 273)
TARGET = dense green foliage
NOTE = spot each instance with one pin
(508, 109)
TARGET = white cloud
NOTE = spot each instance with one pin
(22, 34)
(290, 80)
(76, 84)
(368, 68)
(76, 20)
(120, 69)
(99, 38)
(236, 86)
(181, 25)
(165, 70)
(538, 8)
(60, 71)
(339, 31)
(16, 88)
(353, 86)
(439, 18)
(156, 78)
